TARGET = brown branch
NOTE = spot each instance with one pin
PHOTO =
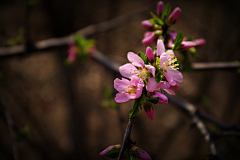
(87, 31)
(126, 138)
(191, 111)
(11, 129)
(215, 65)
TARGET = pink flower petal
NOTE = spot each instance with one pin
(121, 85)
(169, 79)
(160, 47)
(176, 75)
(149, 54)
(127, 70)
(151, 69)
(174, 16)
(175, 87)
(169, 91)
(149, 38)
(152, 84)
(120, 98)
(162, 98)
(135, 59)
(104, 152)
(200, 42)
(187, 44)
(163, 85)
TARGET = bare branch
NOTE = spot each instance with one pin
(215, 65)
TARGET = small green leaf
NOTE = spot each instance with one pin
(193, 52)
(166, 12)
(113, 153)
(159, 76)
(178, 41)
(154, 100)
(143, 56)
(152, 21)
(23, 134)
(135, 110)
(157, 20)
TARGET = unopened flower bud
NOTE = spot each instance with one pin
(174, 16)
(158, 32)
(149, 38)
(160, 7)
(139, 153)
(186, 45)
(149, 111)
(200, 42)
(146, 24)
(104, 152)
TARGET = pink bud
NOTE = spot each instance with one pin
(174, 16)
(160, 7)
(141, 154)
(186, 45)
(149, 54)
(104, 152)
(150, 113)
(72, 54)
(146, 24)
(200, 42)
(149, 38)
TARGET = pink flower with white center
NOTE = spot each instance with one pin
(128, 89)
(143, 71)
(167, 64)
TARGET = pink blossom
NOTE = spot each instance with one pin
(167, 64)
(72, 54)
(146, 24)
(150, 112)
(163, 85)
(139, 153)
(160, 7)
(149, 38)
(104, 152)
(174, 16)
(128, 89)
(143, 71)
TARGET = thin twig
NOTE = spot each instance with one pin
(215, 65)
(191, 111)
(10, 127)
(87, 31)
(126, 138)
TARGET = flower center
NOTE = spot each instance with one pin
(131, 90)
(170, 63)
(142, 74)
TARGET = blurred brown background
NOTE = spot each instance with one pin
(60, 103)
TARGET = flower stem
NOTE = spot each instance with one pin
(126, 138)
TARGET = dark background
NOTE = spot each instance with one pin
(60, 103)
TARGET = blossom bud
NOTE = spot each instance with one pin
(149, 54)
(174, 16)
(200, 42)
(149, 111)
(186, 45)
(149, 38)
(139, 153)
(104, 152)
(146, 24)
(72, 54)
(160, 7)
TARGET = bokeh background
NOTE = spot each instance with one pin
(61, 104)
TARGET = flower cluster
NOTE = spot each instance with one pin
(147, 77)
(159, 24)
(134, 152)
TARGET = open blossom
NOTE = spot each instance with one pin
(139, 69)
(168, 65)
(128, 89)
